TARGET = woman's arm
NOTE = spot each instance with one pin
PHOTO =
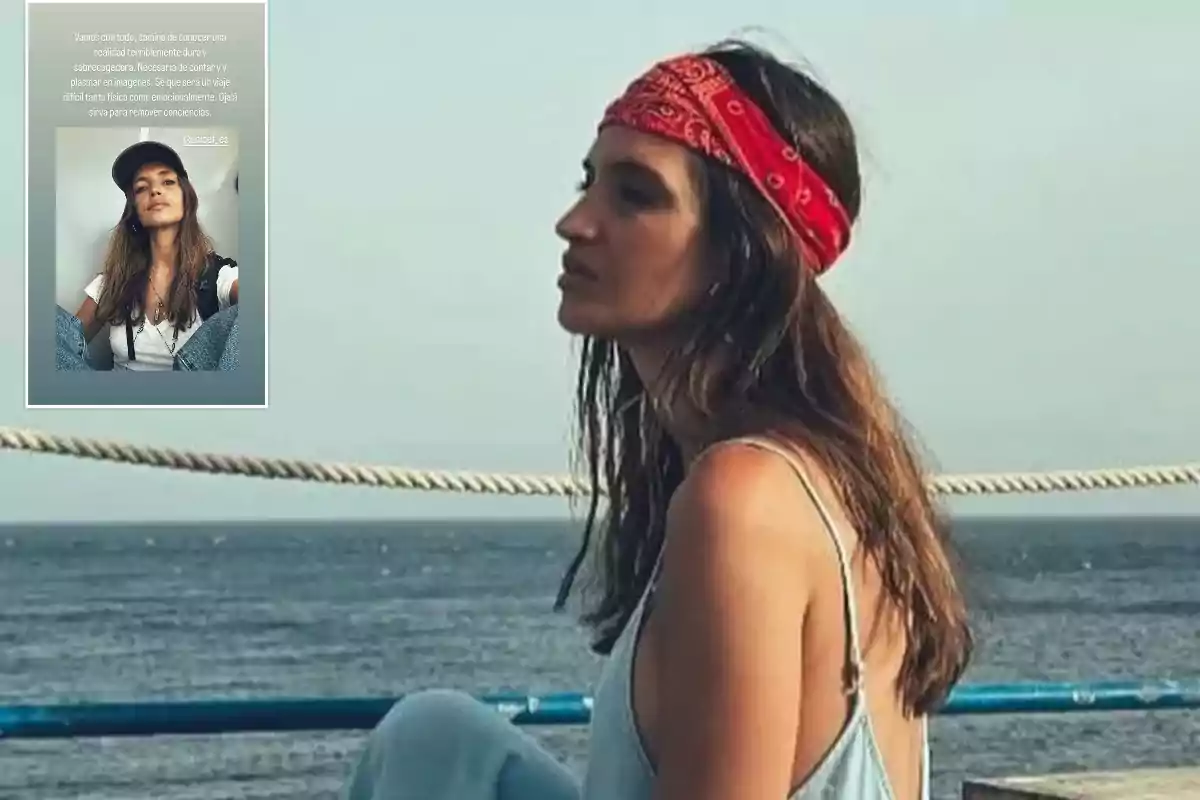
(731, 610)
(86, 314)
(87, 317)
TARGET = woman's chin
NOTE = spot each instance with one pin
(568, 320)
(578, 319)
(154, 222)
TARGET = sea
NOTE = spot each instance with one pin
(326, 609)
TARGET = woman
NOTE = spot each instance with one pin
(778, 604)
(161, 278)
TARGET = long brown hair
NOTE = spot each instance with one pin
(769, 344)
(127, 265)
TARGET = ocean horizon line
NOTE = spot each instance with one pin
(499, 521)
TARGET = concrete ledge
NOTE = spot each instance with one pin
(1143, 784)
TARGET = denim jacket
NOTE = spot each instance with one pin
(214, 345)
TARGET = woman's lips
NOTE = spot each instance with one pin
(571, 265)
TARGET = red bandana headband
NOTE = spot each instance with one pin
(693, 101)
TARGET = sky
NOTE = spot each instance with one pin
(1024, 273)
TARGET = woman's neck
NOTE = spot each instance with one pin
(691, 430)
(163, 250)
(683, 424)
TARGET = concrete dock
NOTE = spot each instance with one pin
(1143, 784)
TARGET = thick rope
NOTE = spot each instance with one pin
(516, 484)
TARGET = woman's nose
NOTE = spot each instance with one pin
(577, 223)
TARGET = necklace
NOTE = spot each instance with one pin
(160, 311)
(161, 315)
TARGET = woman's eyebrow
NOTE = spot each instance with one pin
(636, 169)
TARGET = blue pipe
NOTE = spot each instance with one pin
(68, 721)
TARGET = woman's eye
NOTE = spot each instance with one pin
(634, 196)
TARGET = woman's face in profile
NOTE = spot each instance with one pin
(158, 196)
(634, 258)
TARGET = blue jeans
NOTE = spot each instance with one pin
(214, 345)
(71, 349)
(446, 745)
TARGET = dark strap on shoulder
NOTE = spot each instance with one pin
(207, 302)
(129, 339)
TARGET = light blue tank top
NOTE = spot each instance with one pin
(853, 769)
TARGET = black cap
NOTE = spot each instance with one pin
(136, 156)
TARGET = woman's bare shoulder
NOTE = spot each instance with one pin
(746, 492)
(750, 475)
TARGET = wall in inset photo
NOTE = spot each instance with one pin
(90, 206)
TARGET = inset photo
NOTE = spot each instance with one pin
(146, 249)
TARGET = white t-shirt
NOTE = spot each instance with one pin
(152, 344)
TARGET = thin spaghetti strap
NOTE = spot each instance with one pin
(854, 661)
(925, 790)
(656, 570)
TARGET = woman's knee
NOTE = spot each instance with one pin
(438, 719)
(443, 743)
